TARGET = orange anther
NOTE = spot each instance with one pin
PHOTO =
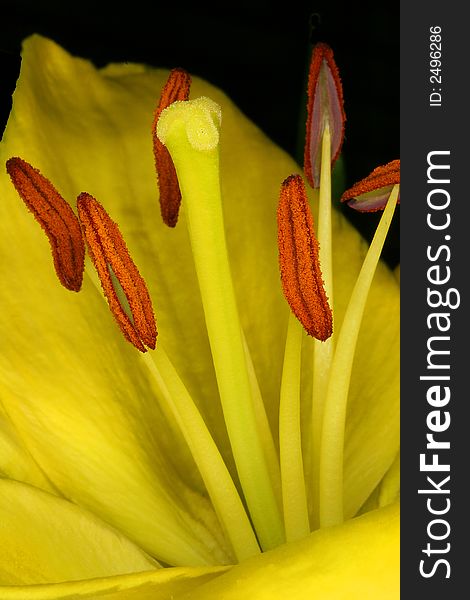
(325, 105)
(108, 250)
(299, 263)
(57, 219)
(176, 88)
(371, 193)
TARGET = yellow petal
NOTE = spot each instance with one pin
(164, 584)
(15, 460)
(355, 561)
(46, 539)
(97, 451)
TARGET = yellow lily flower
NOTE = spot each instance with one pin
(101, 483)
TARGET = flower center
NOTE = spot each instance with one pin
(280, 500)
(190, 132)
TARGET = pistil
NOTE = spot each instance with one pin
(190, 132)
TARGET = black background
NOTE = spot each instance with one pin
(257, 53)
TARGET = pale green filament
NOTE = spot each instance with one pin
(264, 429)
(324, 216)
(190, 132)
(217, 479)
(294, 496)
(323, 351)
(334, 416)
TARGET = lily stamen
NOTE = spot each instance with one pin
(57, 219)
(298, 259)
(176, 88)
(371, 193)
(323, 143)
(325, 107)
(304, 290)
(334, 418)
(108, 250)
